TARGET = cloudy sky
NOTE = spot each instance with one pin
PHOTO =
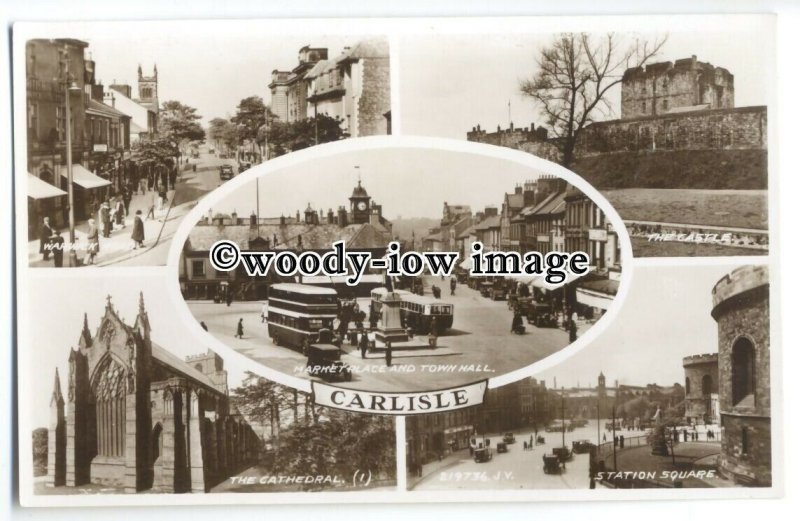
(407, 182)
(666, 316)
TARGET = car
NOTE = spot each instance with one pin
(324, 361)
(501, 447)
(564, 454)
(552, 464)
(582, 446)
(482, 455)
(509, 437)
(244, 166)
(225, 172)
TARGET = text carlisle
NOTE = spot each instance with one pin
(399, 403)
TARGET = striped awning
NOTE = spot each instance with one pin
(84, 178)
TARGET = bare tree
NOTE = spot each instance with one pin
(576, 73)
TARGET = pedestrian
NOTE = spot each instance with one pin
(388, 353)
(572, 327)
(452, 286)
(228, 297)
(604, 437)
(239, 329)
(57, 245)
(93, 238)
(151, 212)
(516, 322)
(621, 441)
(105, 218)
(685, 435)
(162, 197)
(203, 325)
(119, 212)
(45, 232)
(364, 344)
(264, 312)
(126, 199)
(138, 231)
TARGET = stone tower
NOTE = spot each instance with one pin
(702, 388)
(148, 88)
(741, 309)
(601, 385)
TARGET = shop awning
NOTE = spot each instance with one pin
(84, 178)
(38, 189)
(593, 298)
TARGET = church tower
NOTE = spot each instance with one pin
(601, 385)
(359, 204)
(148, 88)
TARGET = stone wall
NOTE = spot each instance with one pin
(375, 100)
(722, 129)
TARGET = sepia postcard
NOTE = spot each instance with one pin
(394, 261)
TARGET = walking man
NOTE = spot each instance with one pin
(388, 354)
(264, 312)
(239, 329)
(45, 233)
(57, 243)
(452, 286)
(364, 344)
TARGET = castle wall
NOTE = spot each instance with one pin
(699, 406)
(723, 129)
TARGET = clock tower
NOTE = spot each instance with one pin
(360, 204)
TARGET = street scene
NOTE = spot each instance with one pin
(672, 417)
(410, 332)
(138, 156)
(658, 125)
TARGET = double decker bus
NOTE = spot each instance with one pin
(297, 312)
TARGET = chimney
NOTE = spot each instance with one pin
(529, 194)
(518, 189)
(331, 217)
(342, 217)
(283, 221)
(297, 217)
(253, 220)
(234, 217)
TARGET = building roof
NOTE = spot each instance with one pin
(489, 222)
(101, 109)
(368, 48)
(180, 366)
(314, 236)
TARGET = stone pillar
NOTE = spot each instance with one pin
(56, 446)
(129, 480)
(72, 456)
(212, 463)
(222, 443)
(195, 442)
(168, 444)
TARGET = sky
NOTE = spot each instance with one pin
(666, 316)
(49, 346)
(448, 86)
(231, 66)
(407, 183)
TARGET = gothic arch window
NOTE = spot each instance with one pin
(688, 386)
(707, 384)
(109, 392)
(743, 373)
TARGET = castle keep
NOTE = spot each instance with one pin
(136, 417)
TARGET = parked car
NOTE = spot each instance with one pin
(509, 437)
(582, 446)
(225, 172)
(482, 455)
(502, 447)
(564, 454)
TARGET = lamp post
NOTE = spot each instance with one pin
(69, 88)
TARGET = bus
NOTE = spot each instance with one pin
(297, 312)
(376, 297)
(417, 312)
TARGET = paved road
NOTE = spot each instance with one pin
(479, 345)
(516, 469)
(191, 187)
